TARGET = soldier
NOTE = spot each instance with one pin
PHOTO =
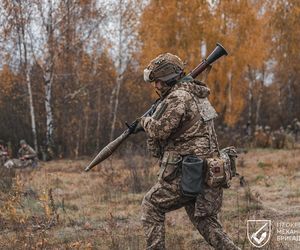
(3, 153)
(27, 155)
(278, 139)
(268, 138)
(181, 125)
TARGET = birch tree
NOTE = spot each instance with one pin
(46, 13)
(124, 43)
(21, 14)
(66, 25)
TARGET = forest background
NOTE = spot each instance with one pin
(71, 70)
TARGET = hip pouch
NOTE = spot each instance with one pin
(221, 169)
(216, 174)
(192, 176)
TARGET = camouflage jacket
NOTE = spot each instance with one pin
(28, 152)
(186, 100)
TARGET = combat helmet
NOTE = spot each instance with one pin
(22, 142)
(166, 67)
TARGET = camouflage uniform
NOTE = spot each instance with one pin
(268, 138)
(182, 103)
(278, 139)
(27, 156)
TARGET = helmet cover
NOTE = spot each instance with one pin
(165, 67)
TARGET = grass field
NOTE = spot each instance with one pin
(58, 206)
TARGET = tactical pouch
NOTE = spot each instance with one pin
(192, 172)
(231, 154)
(221, 169)
(216, 175)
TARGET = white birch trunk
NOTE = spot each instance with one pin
(115, 109)
(119, 70)
(48, 77)
(48, 94)
(22, 40)
(32, 114)
(260, 95)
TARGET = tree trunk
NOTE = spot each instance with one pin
(32, 114)
(250, 101)
(86, 124)
(48, 94)
(48, 77)
(115, 109)
(120, 69)
(27, 76)
(229, 91)
(260, 95)
(98, 129)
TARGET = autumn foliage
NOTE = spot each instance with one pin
(71, 71)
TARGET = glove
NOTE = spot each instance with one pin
(135, 127)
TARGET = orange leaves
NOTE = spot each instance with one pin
(171, 26)
(7, 80)
(181, 27)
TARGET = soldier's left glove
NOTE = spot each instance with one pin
(135, 127)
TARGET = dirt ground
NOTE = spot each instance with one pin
(59, 206)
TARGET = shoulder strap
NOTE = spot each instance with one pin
(213, 136)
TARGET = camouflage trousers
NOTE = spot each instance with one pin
(166, 196)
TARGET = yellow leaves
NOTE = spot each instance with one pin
(239, 27)
(181, 30)
(10, 208)
(45, 201)
(171, 29)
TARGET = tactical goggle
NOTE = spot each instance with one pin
(147, 75)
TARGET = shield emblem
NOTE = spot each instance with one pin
(259, 232)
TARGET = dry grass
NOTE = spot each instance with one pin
(58, 206)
